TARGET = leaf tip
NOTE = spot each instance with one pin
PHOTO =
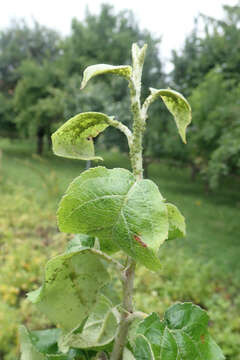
(98, 158)
(152, 90)
(82, 85)
(183, 137)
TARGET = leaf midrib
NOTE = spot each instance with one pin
(173, 331)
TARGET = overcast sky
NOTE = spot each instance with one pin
(171, 19)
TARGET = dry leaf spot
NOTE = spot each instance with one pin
(138, 239)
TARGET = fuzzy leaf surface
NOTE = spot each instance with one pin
(178, 107)
(182, 335)
(71, 286)
(74, 139)
(99, 69)
(98, 331)
(121, 212)
(177, 226)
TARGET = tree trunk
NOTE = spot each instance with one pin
(146, 163)
(207, 187)
(49, 139)
(40, 136)
(194, 171)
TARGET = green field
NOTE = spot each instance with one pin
(203, 268)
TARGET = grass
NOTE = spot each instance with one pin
(213, 225)
(203, 268)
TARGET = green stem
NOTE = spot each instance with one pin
(121, 337)
(138, 116)
(135, 147)
(118, 125)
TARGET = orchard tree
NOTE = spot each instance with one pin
(214, 144)
(18, 43)
(6, 116)
(37, 100)
(211, 43)
(208, 67)
(106, 37)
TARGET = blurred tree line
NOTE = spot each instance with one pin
(207, 70)
(40, 75)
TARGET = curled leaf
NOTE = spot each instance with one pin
(80, 241)
(98, 331)
(42, 345)
(28, 348)
(71, 286)
(122, 213)
(99, 69)
(74, 139)
(178, 107)
(138, 54)
(177, 226)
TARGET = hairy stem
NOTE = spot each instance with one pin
(138, 116)
(135, 147)
(121, 337)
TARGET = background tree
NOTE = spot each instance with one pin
(208, 69)
(211, 48)
(211, 43)
(18, 43)
(6, 116)
(215, 134)
(38, 100)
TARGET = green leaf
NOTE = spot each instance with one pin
(98, 331)
(143, 349)
(99, 69)
(71, 286)
(28, 350)
(80, 241)
(121, 212)
(45, 340)
(178, 107)
(111, 293)
(177, 226)
(74, 139)
(127, 355)
(183, 334)
(42, 345)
